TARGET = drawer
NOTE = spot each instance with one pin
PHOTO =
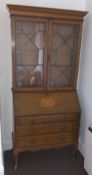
(46, 129)
(43, 141)
(34, 120)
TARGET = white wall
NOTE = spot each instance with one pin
(1, 153)
(5, 75)
(5, 58)
(1, 156)
(70, 4)
(85, 77)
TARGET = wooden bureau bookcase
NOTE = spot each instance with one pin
(45, 54)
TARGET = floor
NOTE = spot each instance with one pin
(51, 162)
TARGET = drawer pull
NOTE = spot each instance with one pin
(63, 128)
(62, 138)
(63, 118)
(32, 130)
(33, 121)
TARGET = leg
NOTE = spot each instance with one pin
(74, 149)
(16, 159)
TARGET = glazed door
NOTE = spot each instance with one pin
(30, 53)
(63, 50)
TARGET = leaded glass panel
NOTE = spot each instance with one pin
(30, 51)
(62, 55)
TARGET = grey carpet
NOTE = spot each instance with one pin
(50, 162)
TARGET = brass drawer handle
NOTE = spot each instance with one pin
(32, 130)
(63, 128)
(33, 122)
(63, 118)
(62, 138)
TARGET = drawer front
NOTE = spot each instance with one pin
(34, 120)
(46, 129)
(43, 141)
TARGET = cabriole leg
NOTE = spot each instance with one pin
(16, 159)
(74, 151)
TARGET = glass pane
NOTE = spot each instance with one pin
(62, 55)
(30, 39)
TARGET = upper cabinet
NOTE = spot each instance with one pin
(46, 47)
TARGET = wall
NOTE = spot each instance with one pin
(85, 77)
(1, 153)
(5, 58)
(71, 4)
(1, 156)
(5, 76)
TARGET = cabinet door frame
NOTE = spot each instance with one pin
(14, 19)
(67, 22)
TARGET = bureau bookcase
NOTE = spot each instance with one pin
(45, 55)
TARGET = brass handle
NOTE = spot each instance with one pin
(63, 118)
(62, 138)
(32, 121)
(63, 128)
(32, 130)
